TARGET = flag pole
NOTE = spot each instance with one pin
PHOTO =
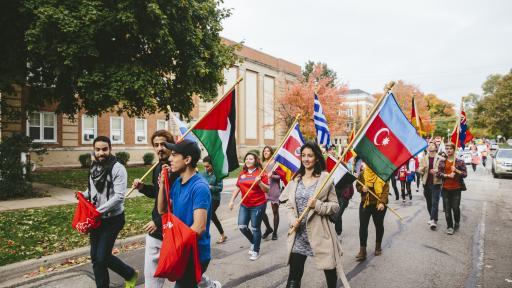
(389, 86)
(152, 167)
(273, 155)
(213, 107)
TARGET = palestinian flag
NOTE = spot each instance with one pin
(342, 178)
(388, 139)
(216, 131)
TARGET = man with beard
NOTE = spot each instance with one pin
(154, 227)
(106, 187)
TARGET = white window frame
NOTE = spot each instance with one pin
(95, 121)
(122, 130)
(41, 127)
(350, 112)
(145, 131)
(166, 125)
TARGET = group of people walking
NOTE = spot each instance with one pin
(195, 198)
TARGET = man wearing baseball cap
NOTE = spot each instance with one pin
(191, 202)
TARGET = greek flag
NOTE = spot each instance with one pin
(323, 136)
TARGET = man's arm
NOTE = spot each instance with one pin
(200, 218)
(119, 183)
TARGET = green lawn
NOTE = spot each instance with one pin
(32, 233)
(76, 178)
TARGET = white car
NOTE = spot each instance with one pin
(466, 156)
(502, 163)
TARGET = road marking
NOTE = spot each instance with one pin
(478, 251)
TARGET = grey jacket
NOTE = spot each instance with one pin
(115, 204)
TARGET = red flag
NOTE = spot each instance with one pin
(350, 153)
(330, 162)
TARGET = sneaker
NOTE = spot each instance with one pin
(254, 256)
(456, 226)
(222, 239)
(403, 201)
(429, 222)
(274, 236)
(130, 283)
(215, 284)
(267, 232)
(251, 249)
(433, 225)
(340, 238)
(449, 231)
(397, 198)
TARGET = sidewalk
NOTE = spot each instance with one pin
(61, 196)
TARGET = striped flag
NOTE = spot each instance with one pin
(182, 129)
(350, 153)
(284, 173)
(289, 154)
(323, 136)
(330, 162)
(416, 119)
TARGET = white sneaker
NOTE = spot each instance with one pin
(429, 222)
(254, 256)
(251, 249)
(449, 231)
(433, 225)
(215, 284)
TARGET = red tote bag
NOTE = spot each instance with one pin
(179, 244)
(86, 216)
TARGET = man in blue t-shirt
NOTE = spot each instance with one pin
(191, 202)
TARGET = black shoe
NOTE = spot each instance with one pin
(410, 197)
(397, 198)
(274, 236)
(267, 232)
(293, 284)
(456, 226)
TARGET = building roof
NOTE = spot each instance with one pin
(356, 91)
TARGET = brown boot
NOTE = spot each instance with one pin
(362, 254)
(378, 249)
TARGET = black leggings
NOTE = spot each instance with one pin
(403, 186)
(275, 211)
(393, 183)
(364, 220)
(215, 219)
(297, 262)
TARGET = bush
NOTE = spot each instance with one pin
(15, 176)
(85, 160)
(123, 157)
(148, 158)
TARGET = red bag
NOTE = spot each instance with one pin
(179, 241)
(86, 216)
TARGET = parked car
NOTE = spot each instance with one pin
(502, 163)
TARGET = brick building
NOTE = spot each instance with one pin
(265, 79)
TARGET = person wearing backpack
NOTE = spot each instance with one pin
(106, 187)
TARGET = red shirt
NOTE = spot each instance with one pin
(257, 196)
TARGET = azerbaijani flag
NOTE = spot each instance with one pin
(416, 119)
(216, 131)
(388, 139)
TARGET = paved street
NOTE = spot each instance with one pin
(479, 255)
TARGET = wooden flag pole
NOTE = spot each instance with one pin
(389, 86)
(213, 107)
(374, 195)
(273, 155)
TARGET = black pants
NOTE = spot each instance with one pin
(297, 262)
(102, 241)
(484, 160)
(189, 280)
(474, 166)
(427, 192)
(451, 201)
(215, 219)
(418, 180)
(403, 186)
(338, 222)
(395, 188)
(364, 219)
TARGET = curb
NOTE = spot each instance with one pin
(15, 270)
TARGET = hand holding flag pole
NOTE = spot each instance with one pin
(273, 156)
(389, 86)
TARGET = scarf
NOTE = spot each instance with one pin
(99, 172)
(373, 181)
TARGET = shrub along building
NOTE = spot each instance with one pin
(264, 79)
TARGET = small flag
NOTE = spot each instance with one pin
(350, 153)
(330, 162)
(216, 131)
(388, 139)
(416, 119)
(284, 173)
(289, 154)
(342, 177)
(464, 135)
(323, 136)
(183, 129)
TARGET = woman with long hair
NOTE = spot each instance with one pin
(254, 205)
(314, 236)
(274, 191)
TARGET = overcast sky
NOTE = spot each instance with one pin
(446, 47)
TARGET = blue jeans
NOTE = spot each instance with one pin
(255, 215)
(102, 241)
(432, 194)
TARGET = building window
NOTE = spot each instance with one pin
(116, 130)
(251, 105)
(89, 129)
(161, 125)
(268, 107)
(230, 76)
(350, 112)
(141, 131)
(42, 126)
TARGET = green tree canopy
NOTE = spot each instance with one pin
(126, 55)
(327, 73)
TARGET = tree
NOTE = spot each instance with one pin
(127, 55)
(494, 110)
(327, 73)
(299, 98)
(442, 115)
(489, 86)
